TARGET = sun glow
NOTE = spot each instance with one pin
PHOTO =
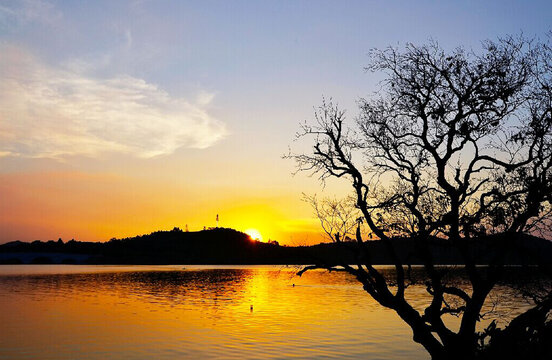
(254, 234)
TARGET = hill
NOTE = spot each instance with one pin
(227, 246)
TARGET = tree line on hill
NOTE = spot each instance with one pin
(227, 246)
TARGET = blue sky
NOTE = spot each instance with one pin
(204, 95)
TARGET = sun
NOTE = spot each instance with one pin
(254, 234)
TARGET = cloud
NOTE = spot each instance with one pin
(26, 11)
(128, 39)
(55, 112)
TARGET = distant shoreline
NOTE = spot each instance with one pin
(220, 246)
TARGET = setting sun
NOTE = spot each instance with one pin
(254, 234)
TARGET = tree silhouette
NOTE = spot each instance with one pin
(455, 145)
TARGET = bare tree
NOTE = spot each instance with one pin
(338, 217)
(455, 145)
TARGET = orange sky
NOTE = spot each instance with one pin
(97, 207)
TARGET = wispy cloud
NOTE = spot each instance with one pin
(54, 112)
(25, 11)
(128, 38)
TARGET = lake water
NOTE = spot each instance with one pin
(161, 312)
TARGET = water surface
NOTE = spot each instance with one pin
(161, 312)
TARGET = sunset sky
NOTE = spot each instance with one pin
(119, 118)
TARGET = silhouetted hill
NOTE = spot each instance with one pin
(228, 246)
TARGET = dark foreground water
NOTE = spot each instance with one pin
(162, 312)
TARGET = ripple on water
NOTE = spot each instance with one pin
(152, 312)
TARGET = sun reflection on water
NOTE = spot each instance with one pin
(251, 313)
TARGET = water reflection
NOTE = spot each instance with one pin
(62, 312)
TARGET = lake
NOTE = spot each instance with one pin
(161, 312)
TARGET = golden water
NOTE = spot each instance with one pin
(161, 312)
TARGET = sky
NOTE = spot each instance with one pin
(119, 118)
